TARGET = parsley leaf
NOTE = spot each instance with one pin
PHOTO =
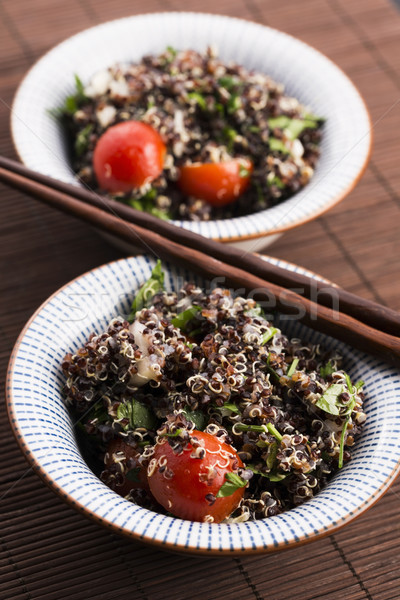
(197, 417)
(233, 482)
(327, 369)
(270, 476)
(342, 442)
(82, 139)
(146, 204)
(292, 127)
(276, 181)
(151, 287)
(329, 401)
(243, 171)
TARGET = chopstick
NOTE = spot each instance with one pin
(286, 301)
(371, 313)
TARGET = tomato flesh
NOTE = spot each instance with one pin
(217, 183)
(130, 463)
(187, 486)
(127, 156)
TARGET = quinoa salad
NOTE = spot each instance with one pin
(199, 407)
(206, 112)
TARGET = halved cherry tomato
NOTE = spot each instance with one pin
(217, 183)
(134, 476)
(128, 155)
(187, 484)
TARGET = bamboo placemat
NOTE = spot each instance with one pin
(47, 550)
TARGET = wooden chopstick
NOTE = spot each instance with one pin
(339, 325)
(371, 313)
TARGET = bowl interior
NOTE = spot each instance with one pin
(306, 74)
(45, 432)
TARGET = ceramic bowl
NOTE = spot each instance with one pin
(45, 432)
(306, 73)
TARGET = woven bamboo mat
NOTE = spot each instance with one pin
(47, 551)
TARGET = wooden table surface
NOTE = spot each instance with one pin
(49, 551)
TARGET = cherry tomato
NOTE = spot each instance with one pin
(118, 451)
(128, 155)
(187, 486)
(217, 183)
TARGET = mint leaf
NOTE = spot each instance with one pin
(329, 401)
(148, 290)
(233, 482)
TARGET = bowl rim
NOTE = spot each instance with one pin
(234, 237)
(35, 464)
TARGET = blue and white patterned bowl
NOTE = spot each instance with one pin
(306, 74)
(45, 433)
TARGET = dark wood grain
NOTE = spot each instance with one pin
(47, 551)
(286, 301)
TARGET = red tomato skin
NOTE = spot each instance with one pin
(217, 183)
(184, 494)
(118, 445)
(127, 156)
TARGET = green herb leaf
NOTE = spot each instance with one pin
(276, 145)
(234, 103)
(182, 319)
(133, 474)
(200, 100)
(329, 401)
(229, 135)
(232, 407)
(145, 294)
(255, 312)
(273, 431)
(230, 83)
(254, 129)
(82, 139)
(276, 181)
(292, 127)
(271, 476)
(359, 384)
(327, 369)
(146, 204)
(138, 414)
(233, 482)
(292, 367)
(271, 455)
(197, 417)
(342, 442)
(243, 172)
(268, 335)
